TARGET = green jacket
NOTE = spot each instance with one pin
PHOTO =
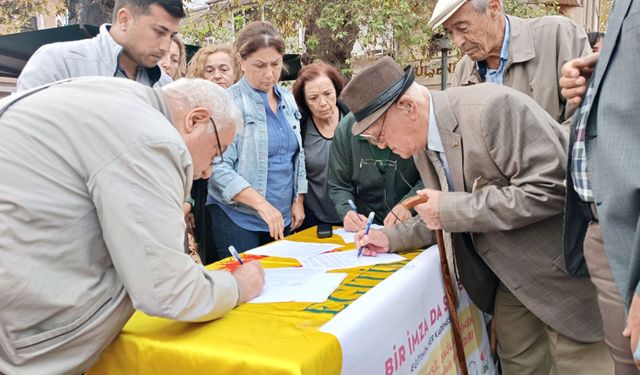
(366, 184)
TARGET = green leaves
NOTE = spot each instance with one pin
(16, 14)
(327, 30)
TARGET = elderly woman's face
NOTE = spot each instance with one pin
(219, 69)
(263, 68)
(171, 61)
(320, 96)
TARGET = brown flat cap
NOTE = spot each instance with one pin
(369, 94)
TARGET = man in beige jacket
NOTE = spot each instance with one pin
(502, 191)
(524, 54)
(94, 173)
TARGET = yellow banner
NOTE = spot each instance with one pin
(272, 338)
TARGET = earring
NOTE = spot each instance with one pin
(123, 29)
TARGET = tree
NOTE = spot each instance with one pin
(331, 28)
(531, 9)
(15, 15)
(91, 12)
(605, 10)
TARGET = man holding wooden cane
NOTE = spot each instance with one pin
(493, 163)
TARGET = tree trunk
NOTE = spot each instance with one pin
(90, 12)
(331, 50)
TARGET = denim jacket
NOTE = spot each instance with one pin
(246, 161)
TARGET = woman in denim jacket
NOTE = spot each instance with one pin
(255, 194)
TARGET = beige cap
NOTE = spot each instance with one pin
(443, 10)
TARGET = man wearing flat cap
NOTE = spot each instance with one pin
(496, 190)
(524, 54)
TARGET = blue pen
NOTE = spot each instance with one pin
(235, 254)
(366, 229)
(353, 206)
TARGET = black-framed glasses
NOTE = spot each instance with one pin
(392, 164)
(373, 138)
(218, 158)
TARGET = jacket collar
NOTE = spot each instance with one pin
(110, 51)
(108, 48)
(445, 118)
(620, 8)
(451, 140)
(159, 101)
(521, 46)
(246, 88)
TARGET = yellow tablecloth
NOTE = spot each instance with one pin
(273, 338)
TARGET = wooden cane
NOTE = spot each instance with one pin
(410, 203)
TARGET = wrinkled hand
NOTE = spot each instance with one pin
(250, 279)
(354, 222)
(273, 218)
(633, 326)
(430, 211)
(575, 75)
(375, 242)
(401, 212)
(297, 214)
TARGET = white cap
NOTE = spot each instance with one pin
(443, 10)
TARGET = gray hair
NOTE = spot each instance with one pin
(190, 93)
(481, 6)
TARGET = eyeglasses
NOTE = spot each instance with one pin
(386, 163)
(373, 138)
(218, 158)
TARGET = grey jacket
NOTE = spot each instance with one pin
(91, 224)
(613, 154)
(89, 57)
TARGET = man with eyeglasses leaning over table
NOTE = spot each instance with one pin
(83, 161)
(496, 186)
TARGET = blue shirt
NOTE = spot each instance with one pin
(283, 146)
(496, 75)
(434, 143)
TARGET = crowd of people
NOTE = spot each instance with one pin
(528, 163)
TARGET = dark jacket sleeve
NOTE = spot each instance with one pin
(341, 185)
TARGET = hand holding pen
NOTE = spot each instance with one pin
(249, 277)
(353, 221)
(352, 205)
(366, 229)
(235, 254)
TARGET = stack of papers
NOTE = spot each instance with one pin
(293, 249)
(347, 259)
(298, 285)
(309, 283)
(350, 237)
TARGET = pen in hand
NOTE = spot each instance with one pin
(353, 206)
(235, 254)
(366, 229)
